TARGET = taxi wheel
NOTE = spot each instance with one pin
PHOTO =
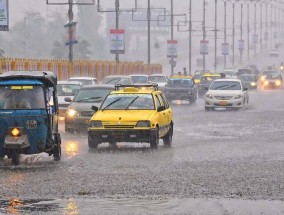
(168, 138)
(155, 141)
(57, 149)
(15, 157)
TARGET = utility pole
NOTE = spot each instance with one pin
(271, 27)
(248, 31)
(204, 33)
(241, 31)
(225, 32)
(255, 29)
(261, 26)
(234, 33)
(190, 38)
(215, 33)
(266, 25)
(70, 17)
(172, 31)
(117, 24)
(149, 33)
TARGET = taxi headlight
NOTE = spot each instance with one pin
(209, 96)
(239, 96)
(72, 113)
(278, 83)
(253, 84)
(15, 132)
(143, 124)
(96, 124)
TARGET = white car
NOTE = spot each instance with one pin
(84, 80)
(139, 79)
(159, 79)
(226, 93)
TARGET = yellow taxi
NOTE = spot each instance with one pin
(132, 113)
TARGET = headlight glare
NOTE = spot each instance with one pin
(143, 124)
(253, 84)
(96, 124)
(15, 132)
(278, 83)
(72, 113)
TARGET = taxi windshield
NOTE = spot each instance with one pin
(128, 102)
(180, 82)
(21, 97)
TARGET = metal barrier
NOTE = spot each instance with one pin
(64, 70)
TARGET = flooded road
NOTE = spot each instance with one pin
(221, 162)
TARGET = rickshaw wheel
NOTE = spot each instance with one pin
(57, 149)
(15, 157)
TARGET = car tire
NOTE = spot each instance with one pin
(168, 138)
(155, 140)
(57, 149)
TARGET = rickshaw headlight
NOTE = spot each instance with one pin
(72, 113)
(15, 132)
(96, 124)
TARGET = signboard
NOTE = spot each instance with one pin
(241, 45)
(172, 49)
(4, 21)
(275, 35)
(204, 47)
(117, 44)
(255, 39)
(172, 63)
(266, 35)
(225, 48)
(70, 35)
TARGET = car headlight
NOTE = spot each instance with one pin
(253, 84)
(239, 96)
(209, 96)
(278, 83)
(266, 83)
(72, 113)
(143, 123)
(96, 124)
(262, 78)
(15, 132)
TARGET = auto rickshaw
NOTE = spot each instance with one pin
(28, 114)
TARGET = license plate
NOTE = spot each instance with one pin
(118, 134)
(87, 122)
(223, 103)
(31, 124)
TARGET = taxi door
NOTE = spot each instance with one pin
(163, 116)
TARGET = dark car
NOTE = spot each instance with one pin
(249, 81)
(205, 82)
(181, 88)
(80, 110)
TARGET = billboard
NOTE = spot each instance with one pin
(225, 48)
(117, 44)
(172, 49)
(204, 47)
(4, 19)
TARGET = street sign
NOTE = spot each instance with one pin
(117, 44)
(255, 39)
(241, 45)
(225, 48)
(266, 35)
(204, 47)
(172, 49)
(70, 35)
(4, 19)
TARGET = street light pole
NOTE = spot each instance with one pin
(225, 32)
(248, 31)
(241, 31)
(215, 56)
(190, 37)
(234, 34)
(172, 31)
(204, 33)
(254, 28)
(261, 26)
(117, 24)
(149, 33)
(70, 20)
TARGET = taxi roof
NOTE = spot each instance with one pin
(212, 74)
(181, 76)
(147, 88)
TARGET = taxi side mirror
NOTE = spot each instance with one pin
(95, 108)
(67, 99)
(161, 108)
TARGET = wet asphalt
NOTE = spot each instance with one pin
(222, 154)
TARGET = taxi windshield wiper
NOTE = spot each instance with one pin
(90, 98)
(110, 104)
(131, 102)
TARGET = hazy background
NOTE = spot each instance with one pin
(36, 31)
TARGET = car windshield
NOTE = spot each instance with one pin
(21, 97)
(116, 80)
(139, 79)
(225, 85)
(83, 81)
(273, 77)
(208, 79)
(128, 102)
(92, 95)
(180, 82)
(244, 71)
(158, 79)
(67, 89)
(248, 78)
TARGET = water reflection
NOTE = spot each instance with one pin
(72, 148)
(72, 208)
(13, 206)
